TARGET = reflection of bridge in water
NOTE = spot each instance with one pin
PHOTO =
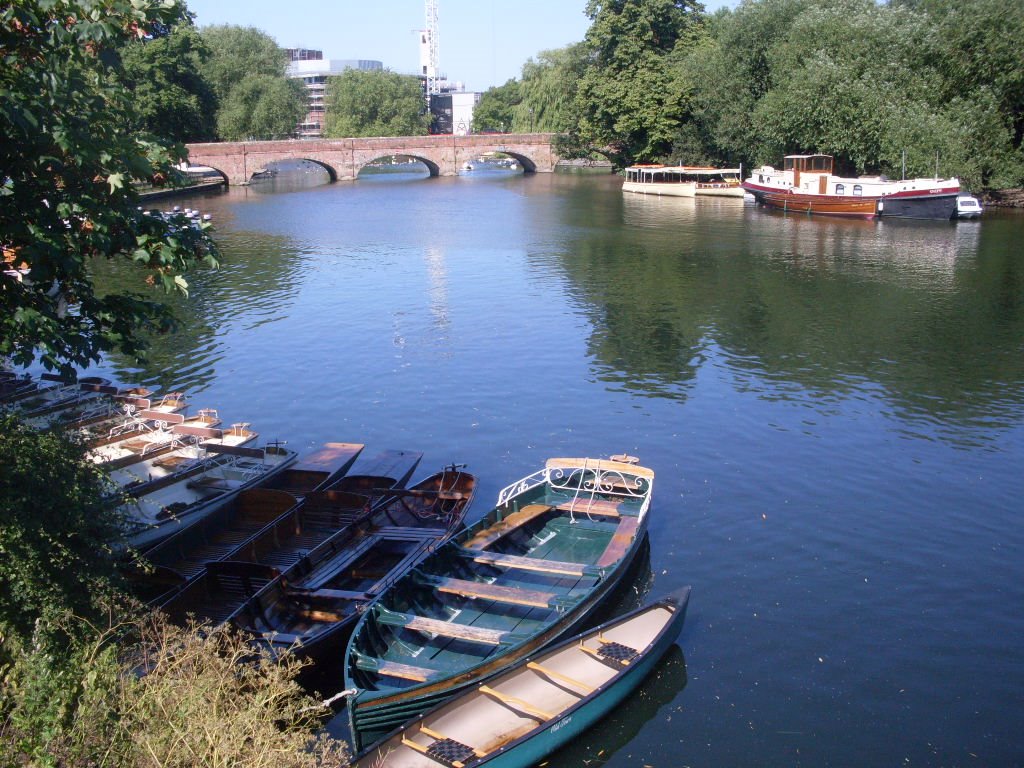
(344, 158)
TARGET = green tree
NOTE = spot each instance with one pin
(66, 186)
(56, 534)
(630, 102)
(496, 108)
(547, 90)
(262, 107)
(236, 52)
(173, 98)
(374, 103)
(248, 73)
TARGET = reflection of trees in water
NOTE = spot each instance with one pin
(258, 276)
(930, 312)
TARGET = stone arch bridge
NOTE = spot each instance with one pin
(344, 158)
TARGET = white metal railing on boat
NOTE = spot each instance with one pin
(588, 477)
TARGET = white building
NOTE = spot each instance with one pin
(313, 69)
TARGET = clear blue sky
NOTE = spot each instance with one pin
(482, 42)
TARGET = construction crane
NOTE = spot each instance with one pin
(429, 51)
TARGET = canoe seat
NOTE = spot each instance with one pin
(515, 562)
(394, 668)
(498, 593)
(600, 507)
(610, 652)
(620, 542)
(425, 624)
(488, 536)
(443, 749)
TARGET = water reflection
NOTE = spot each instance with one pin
(285, 176)
(818, 308)
(258, 279)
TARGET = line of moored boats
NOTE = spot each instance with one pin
(461, 645)
(808, 184)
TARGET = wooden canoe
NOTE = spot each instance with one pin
(531, 571)
(521, 715)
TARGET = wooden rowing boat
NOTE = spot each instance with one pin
(160, 508)
(312, 609)
(542, 702)
(240, 573)
(531, 571)
(184, 555)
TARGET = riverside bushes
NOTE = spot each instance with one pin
(147, 694)
(88, 677)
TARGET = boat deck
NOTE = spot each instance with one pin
(500, 597)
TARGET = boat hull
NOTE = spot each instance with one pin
(941, 206)
(532, 747)
(720, 190)
(370, 720)
(850, 206)
(664, 190)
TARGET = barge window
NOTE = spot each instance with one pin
(858, 189)
(840, 189)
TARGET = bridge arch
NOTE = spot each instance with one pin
(529, 166)
(343, 158)
(432, 167)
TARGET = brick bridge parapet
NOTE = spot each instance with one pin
(344, 158)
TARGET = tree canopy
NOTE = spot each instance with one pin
(67, 192)
(172, 97)
(629, 102)
(247, 71)
(375, 103)
(869, 83)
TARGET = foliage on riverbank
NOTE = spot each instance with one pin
(928, 83)
(204, 699)
(72, 644)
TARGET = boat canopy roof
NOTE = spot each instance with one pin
(808, 163)
(687, 170)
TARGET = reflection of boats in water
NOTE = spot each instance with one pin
(683, 181)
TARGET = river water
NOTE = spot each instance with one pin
(833, 409)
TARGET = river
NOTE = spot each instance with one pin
(833, 410)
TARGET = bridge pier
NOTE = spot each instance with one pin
(344, 158)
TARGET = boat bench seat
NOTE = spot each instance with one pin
(394, 668)
(515, 562)
(496, 592)
(282, 637)
(472, 634)
(337, 594)
(509, 523)
(620, 542)
(599, 507)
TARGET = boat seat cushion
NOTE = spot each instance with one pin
(450, 752)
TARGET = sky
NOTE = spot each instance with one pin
(481, 42)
